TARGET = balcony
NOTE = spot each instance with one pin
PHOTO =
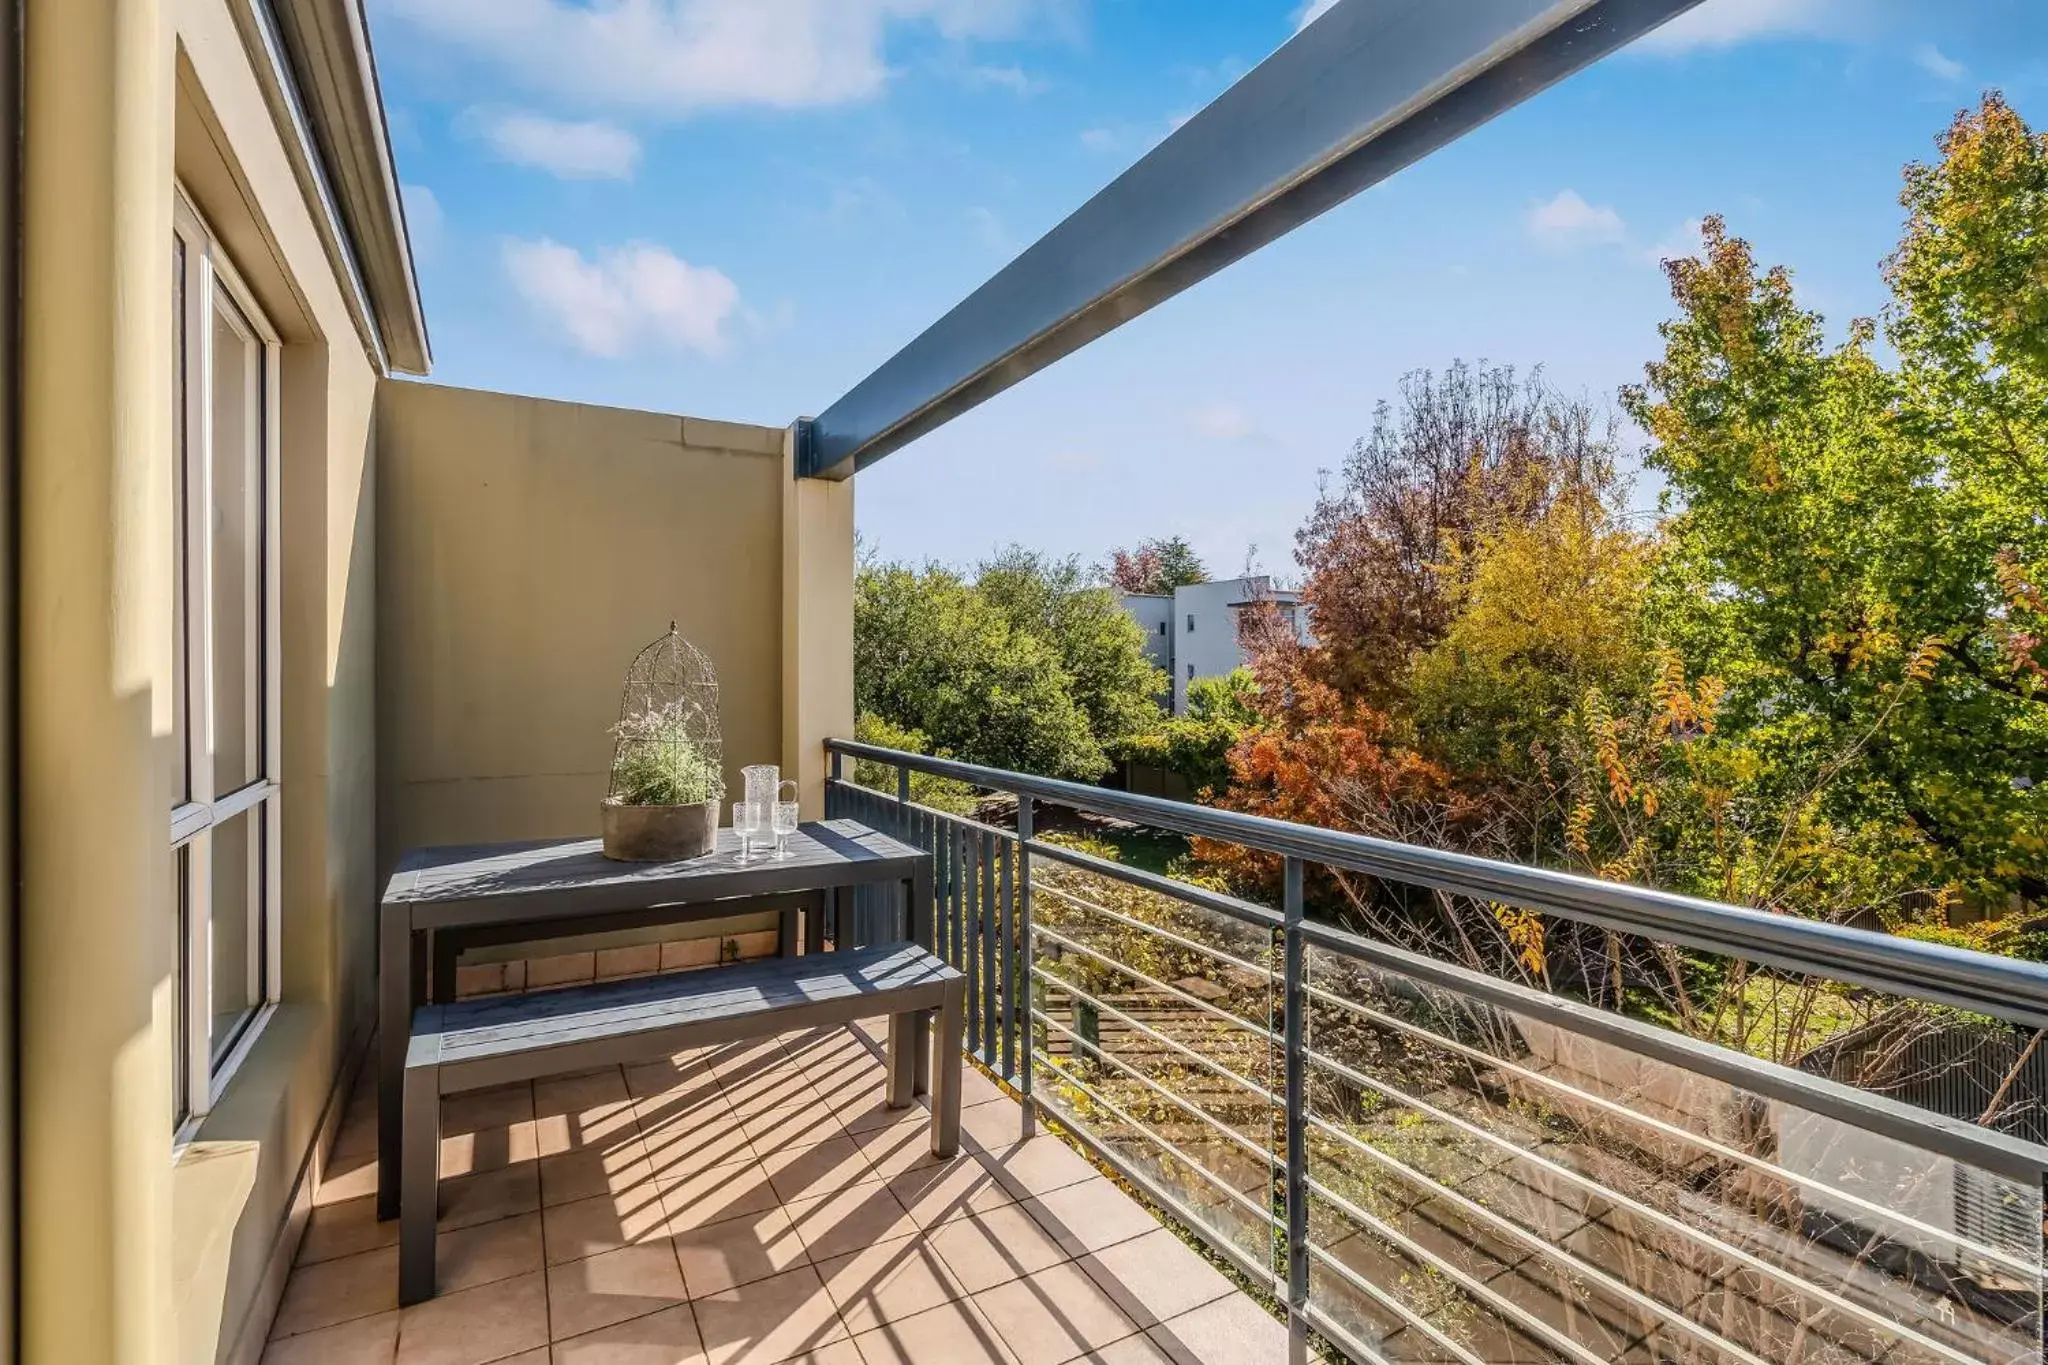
(1412, 1161)
(753, 1203)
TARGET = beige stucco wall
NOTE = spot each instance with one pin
(527, 549)
(130, 1255)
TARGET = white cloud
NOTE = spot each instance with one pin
(676, 57)
(631, 296)
(423, 218)
(1012, 78)
(1568, 220)
(1312, 11)
(573, 151)
(989, 229)
(1937, 63)
(1221, 422)
(1725, 23)
(1683, 240)
(1100, 139)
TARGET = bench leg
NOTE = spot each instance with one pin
(418, 1211)
(921, 1069)
(946, 1074)
(902, 1058)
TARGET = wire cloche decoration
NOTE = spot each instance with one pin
(668, 761)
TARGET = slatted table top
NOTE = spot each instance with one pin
(497, 882)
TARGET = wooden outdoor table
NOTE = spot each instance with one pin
(559, 887)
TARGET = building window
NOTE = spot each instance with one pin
(1191, 672)
(1191, 621)
(225, 725)
(1162, 627)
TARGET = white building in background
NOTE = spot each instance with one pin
(1193, 633)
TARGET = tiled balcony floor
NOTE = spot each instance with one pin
(752, 1203)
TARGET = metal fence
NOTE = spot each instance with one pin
(1429, 1163)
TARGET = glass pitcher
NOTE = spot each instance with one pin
(765, 784)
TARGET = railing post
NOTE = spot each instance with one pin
(903, 786)
(1296, 1096)
(1026, 1029)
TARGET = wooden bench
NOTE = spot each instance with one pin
(474, 1044)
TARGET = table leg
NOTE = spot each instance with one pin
(918, 890)
(396, 983)
(444, 953)
(785, 934)
(902, 1050)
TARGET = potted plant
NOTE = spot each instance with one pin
(667, 777)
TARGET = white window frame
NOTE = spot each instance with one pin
(207, 270)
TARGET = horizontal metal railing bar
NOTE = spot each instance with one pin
(1387, 1301)
(1706, 1145)
(1155, 1087)
(1158, 1194)
(1471, 1284)
(1209, 1177)
(1541, 1246)
(1215, 1067)
(1040, 931)
(1987, 1148)
(1748, 1260)
(1215, 954)
(1250, 911)
(2005, 988)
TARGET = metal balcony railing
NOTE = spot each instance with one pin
(1424, 1162)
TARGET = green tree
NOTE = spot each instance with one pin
(1096, 641)
(1858, 548)
(934, 654)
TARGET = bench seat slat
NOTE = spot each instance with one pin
(469, 1031)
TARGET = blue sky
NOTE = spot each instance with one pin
(738, 208)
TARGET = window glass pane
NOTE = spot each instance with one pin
(235, 943)
(181, 667)
(181, 897)
(237, 551)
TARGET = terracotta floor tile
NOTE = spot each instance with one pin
(668, 1337)
(1090, 1216)
(487, 1252)
(802, 1124)
(602, 1223)
(345, 1228)
(475, 1325)
(1137, 1350)
(608, 1168)
(887, 1282)
(693, 1139)
(1054, 1315)
(1039, 1166)
(363, 1341)
(648, 1079)
(497, 1107)
(769, 1320)
(902, 1148)
(598, 1291)
(334, 1291)
(701, 1197)
(955, 1333)
(936, 1194)
(737, 1251)
(984, 1250)
(837, 1353)
(865, 1112)
(1156, 1276)
(849, 1219)
(488, 1149)
(601, 1089)
(347, 1177)
(1222, 1333)
(824, 1168)
(471, 1199)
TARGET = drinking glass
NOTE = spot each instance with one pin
(785, 825)
(746, 822)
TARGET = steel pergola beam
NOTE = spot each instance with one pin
(1368, 88)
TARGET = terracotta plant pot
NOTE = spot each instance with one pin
(659, 834)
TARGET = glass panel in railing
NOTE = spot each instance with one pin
(1155, 1030)
(1520, 1178)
